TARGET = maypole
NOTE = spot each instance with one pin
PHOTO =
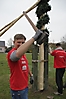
(41, 11)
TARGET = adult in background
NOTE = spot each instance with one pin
(18, 65)
(60, 65)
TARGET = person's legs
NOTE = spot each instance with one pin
(59, 79)
(21, 94)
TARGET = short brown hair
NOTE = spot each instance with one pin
(19, 36)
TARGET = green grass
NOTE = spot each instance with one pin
(4, 78)
(4, 81)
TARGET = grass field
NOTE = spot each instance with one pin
(4, 81)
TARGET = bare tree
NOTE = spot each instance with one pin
(63, 42)
(9, 42)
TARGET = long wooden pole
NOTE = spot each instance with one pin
(41, 68)
(30, 21)
(9, 25)
(41, 56)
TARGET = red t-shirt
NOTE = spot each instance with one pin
(59, 58)
(19, 72)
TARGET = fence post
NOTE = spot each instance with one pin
(35, 66)
(46, 63)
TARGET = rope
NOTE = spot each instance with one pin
(36, 61)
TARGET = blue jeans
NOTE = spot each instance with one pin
(21, 94)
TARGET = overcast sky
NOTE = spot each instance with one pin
(11, 9)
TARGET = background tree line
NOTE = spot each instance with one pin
(52, 45)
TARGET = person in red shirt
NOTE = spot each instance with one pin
(18, 65)
(60, 65)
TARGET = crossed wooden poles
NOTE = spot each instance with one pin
(9, 25)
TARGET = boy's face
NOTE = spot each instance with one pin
(18, 42)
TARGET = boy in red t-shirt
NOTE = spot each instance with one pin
(18, 65)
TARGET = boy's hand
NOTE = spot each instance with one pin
(31, 79)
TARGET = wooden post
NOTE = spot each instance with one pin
(41, 67)
(35, 67)
(46, 63)
(9, 25)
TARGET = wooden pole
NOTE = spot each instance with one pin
(30, 21)
(46, 64)
(41, 68)
(9, 25)
(35, 67)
